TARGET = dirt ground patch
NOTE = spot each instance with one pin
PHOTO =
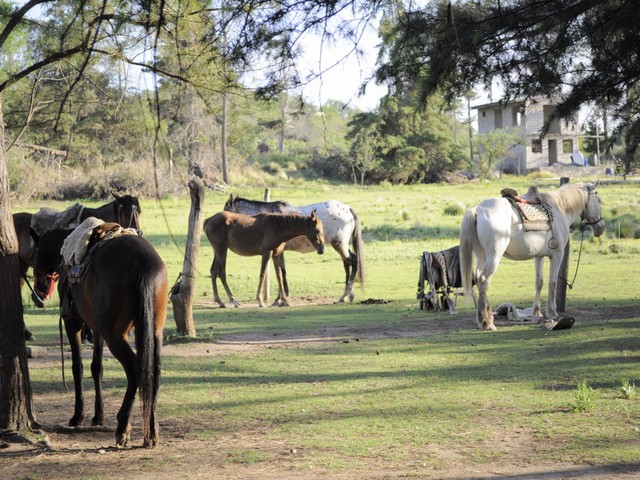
(88, 453)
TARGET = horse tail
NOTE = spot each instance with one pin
(468, 237)
(148, 349)
(358, 246)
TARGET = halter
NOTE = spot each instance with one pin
(53, 278)
(133, 216)
(599, 219)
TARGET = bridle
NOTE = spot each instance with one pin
(53, 278)
(592, 193)
(133, 221)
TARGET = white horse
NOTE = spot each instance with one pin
(493, 229)
(341, 226)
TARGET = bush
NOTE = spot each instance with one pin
(453, 210)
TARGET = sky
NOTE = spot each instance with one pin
(343, 71)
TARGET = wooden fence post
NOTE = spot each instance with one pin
(563, 273)
(182, 292)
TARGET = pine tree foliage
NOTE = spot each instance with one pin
(580, 51)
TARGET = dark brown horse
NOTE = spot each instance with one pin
(265, 234)
(124, 286)
(124, 210)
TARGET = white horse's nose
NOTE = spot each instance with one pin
(598, 228)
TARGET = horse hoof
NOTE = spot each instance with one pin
(122, 441)
(76, 422)
(491, 327)
(150, 443)
(97, 421)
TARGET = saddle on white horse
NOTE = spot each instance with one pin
(535, 215)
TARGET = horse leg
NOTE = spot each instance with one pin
(554, 270)
(214, 276)
(96, 373)
(485, 314)
(539, 264)
(263, 276)
(350, 263)
(73, 327)
(222, 273)
(121, 350)
(282, 292)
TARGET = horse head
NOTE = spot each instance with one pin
(45, 263)
(127, 211)
(592, 214)
(317, 236)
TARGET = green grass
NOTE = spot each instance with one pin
(397, 401)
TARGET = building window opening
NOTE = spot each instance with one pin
(536, 145)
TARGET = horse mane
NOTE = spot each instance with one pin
(288, 220)
(571, 197)
(279, 203)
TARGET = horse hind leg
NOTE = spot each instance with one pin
(73, 327)
(485, 314)
(96, 373)
(214, 277)
(122, 351)
(350, 263)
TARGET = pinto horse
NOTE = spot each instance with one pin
(341, 226)
(264, 234)
(494, 229)
(124, 287)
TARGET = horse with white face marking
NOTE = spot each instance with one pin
(341, 226)
(494, 229)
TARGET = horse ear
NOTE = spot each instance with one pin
(313, 214)
(597, 183)
(113, 193)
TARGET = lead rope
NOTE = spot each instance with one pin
(26, 280)
(570, 285)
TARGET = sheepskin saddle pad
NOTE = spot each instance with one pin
(79, 246)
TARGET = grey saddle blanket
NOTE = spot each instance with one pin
(49, 218)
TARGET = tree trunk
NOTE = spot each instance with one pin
(266, 288)
(182, 291)
(16, 402)
(225, 168)
(284, 106)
